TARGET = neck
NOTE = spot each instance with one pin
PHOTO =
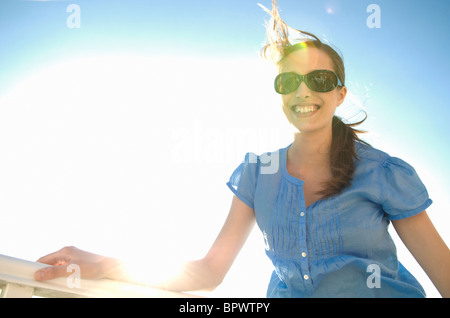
(311, 149)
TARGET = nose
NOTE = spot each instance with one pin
(303, 91)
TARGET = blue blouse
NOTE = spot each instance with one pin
(339, 246)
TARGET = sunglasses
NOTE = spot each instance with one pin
(318, 81)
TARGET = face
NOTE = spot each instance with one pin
(307, 110)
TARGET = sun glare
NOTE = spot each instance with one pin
(91, 143)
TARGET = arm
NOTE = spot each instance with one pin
(204, 274)
(423, 241)
(209, 272)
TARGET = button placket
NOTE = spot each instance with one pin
(303, 248)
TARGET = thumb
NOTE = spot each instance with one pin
(51, 272)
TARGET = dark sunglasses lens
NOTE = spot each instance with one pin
(322, 81)
(286, 83)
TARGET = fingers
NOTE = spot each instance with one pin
(93, 265)
(60, 260)
(61, 257)
(53, 259)
(51, 272)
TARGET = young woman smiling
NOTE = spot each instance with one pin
(324, 211)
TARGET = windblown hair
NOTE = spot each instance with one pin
(344, 135)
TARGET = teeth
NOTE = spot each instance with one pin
(304, 109)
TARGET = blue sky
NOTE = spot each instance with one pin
(399, 72)
(410, 44)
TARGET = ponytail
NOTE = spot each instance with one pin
(342, 156)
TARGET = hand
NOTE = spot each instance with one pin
(92, 266)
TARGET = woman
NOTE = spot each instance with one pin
(323, 203)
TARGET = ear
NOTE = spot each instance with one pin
(342, 93)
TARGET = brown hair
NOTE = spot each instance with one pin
(344, 136)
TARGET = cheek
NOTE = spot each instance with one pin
(284, 106)
(285, 102)
(285, 99)
(329, 101)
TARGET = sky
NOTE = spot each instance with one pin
(120, 126)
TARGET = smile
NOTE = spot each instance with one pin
(304, 109)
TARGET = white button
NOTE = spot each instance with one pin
(302, 213)
(306, 277)
(303, 254)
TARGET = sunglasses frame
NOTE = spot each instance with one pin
(304, 78)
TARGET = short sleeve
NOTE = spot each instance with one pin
(403, 193)
(243, 180)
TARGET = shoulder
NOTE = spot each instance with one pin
(391, 182)
(374, 157)
(378, 169)
(247, 175)
(366, 152)
(267, 162)
(252, 157)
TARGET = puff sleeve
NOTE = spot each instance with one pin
(403, 193)
(243, 180)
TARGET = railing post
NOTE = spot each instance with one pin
(11, 290)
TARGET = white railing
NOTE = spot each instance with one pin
(16, 281)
